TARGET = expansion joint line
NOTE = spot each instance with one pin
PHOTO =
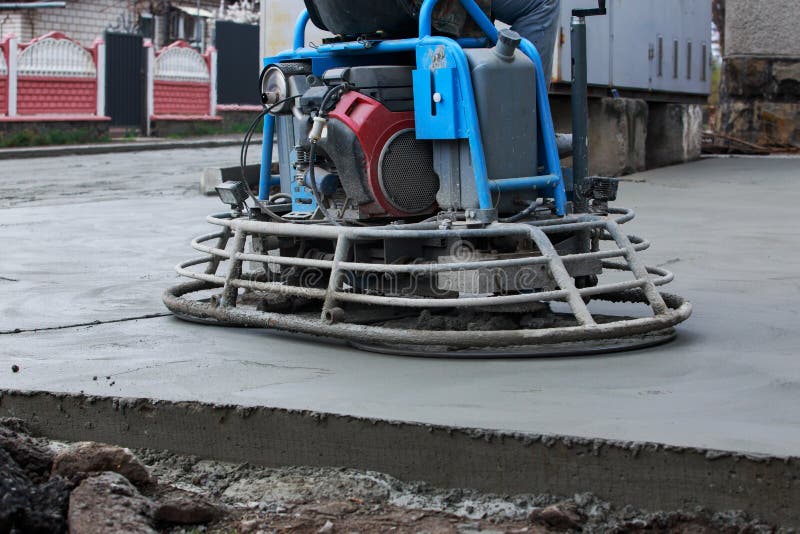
(79, 325)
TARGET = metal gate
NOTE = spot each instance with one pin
(237, 63)
(125, 79)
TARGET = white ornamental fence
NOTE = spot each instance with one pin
(181, 83)
(52, 75)
(3, 79)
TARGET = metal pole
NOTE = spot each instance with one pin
(31, 5)
(197, 35)
(580, 114)
(165, 28)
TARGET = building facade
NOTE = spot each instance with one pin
(163, 21)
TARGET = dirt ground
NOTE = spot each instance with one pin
(307, 499)
(93, 488)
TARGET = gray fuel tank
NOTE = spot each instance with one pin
(505, 93)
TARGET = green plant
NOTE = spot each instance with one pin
(716, 77)
(51, 136)
(199, 129)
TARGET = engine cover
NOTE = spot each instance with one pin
(382, 166)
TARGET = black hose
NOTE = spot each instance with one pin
(243, 158)
(521, 215)
(276, 196)
(342, 87)
(312, 155)
(246, 144)
(251, 130)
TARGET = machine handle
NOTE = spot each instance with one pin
(600, 10)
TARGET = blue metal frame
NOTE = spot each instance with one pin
(465, 123)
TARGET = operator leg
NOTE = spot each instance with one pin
(535, 20)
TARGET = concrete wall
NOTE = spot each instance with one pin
(277, 26)
(674, 134)
(760, 87)
(645, 475)
(765, 27)
(628, 135)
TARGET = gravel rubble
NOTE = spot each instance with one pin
(88, 488)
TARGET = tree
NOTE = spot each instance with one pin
(718, 17)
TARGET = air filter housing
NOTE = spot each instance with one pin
(405, 173)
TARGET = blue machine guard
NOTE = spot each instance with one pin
(457, 98)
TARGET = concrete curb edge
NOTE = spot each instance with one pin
(645, 475)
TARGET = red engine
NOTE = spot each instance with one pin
(381, 165)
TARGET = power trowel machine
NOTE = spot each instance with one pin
(420, 207)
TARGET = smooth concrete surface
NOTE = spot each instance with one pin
(89, 238)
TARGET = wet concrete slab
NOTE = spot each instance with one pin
(95, 238)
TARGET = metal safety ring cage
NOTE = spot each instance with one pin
(668, 310)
